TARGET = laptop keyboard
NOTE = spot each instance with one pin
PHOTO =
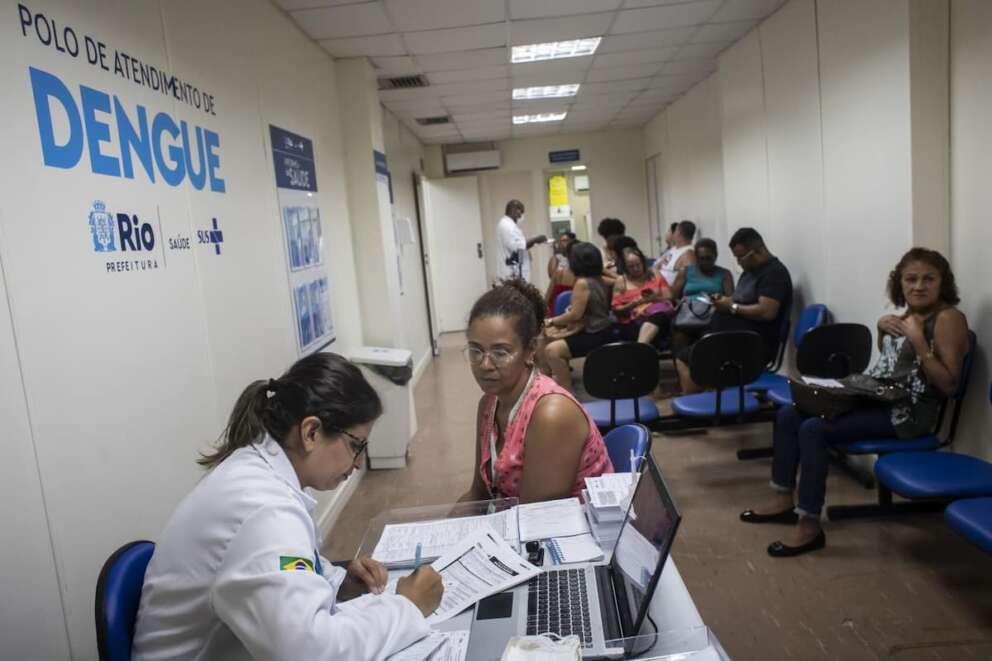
(557, 603)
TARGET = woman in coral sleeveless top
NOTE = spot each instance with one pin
(543, 441)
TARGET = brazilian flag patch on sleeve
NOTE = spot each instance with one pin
(295, 563)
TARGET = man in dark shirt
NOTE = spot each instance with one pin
(763, 294)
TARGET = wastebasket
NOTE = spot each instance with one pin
(389, 371)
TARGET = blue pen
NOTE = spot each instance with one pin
(416, 557)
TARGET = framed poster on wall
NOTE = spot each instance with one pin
(299, 210)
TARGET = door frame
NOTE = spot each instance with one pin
(425, 260)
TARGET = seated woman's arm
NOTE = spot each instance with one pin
(679, 285)
(942, 364)
(577, 309)
(556, 437)
(478, 489)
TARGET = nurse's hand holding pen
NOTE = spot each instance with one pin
(423, 587)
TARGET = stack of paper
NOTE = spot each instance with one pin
(607, 496)
(552, 518)
(397, 546)
(605, 530)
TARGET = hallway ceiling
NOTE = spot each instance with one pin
(652, 51)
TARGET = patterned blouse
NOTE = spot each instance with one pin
(510, 461)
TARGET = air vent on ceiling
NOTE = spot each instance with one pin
(402, 82)
(431, 121)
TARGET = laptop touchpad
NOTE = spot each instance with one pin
(495, 607)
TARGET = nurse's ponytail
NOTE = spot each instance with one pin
(324, 385)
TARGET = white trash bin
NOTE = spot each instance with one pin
(389, 371)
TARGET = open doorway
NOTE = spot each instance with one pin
(567, 193)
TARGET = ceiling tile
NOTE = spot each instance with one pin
(635, 4)
(462, 75)
(624, 73)
(473, 105)
(381, 45)
(535, 130)
(441, 141)
(292, 5)
(472, 87)
(456, 39)
(740, 10)
(559, 29)
(550, 72)
(474, 117)
(468, 59)
(538, 107)
(412, 15)
(476, 99)
(520, 9)
(704, 51)
(401, 64)
(437, 129)
(627, 58)
(611, 99)
(666, 16)
(688, 66)
(724, 32)
(653, 39)
(635, 84)
(673, 80)
(344, 21)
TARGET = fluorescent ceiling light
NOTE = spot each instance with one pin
(578, 167)
(554, 50)
(542, 117)
(546, 92)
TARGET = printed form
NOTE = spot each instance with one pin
(480, 566)
(611, 489)
(398, 543)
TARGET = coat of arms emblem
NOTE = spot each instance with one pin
(102, 228)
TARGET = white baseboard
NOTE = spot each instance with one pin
(421, 367)
(331, 504)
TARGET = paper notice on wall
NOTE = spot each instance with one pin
(299, 210)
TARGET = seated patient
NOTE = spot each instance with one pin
(762, 296)
(638, 296)
(543, 441)
(923, 349)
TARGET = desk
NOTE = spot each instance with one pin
(682, 629)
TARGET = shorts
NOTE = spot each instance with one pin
(581, 344)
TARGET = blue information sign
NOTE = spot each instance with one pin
(563, 156)
(293, 157)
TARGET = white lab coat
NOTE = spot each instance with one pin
(511, 240)
(216, 587)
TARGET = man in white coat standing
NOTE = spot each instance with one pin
(513, 260)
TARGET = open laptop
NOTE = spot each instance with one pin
(600, 603)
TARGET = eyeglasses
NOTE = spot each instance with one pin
(740, 260)
(357, 445)
(499, 357)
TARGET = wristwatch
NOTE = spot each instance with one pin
(735, 308)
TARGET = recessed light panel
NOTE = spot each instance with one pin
(554, 50)
(545, 92)
(542, 117)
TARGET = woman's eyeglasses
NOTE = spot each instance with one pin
(499, 357)
(357, 445)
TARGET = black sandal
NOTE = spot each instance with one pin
(788, 516)
(780, 550)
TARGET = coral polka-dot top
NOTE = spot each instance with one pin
(510, 462)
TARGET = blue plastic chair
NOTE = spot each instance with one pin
(623, 441)
(118, 593)
(936, 473)
(972, 518)
(724, 362)
(621, 375)
(562, 301)
(811, 317)
(829, 351)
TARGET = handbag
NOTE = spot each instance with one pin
(693, 314)
(856, 391)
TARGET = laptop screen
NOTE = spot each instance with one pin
(645, 541)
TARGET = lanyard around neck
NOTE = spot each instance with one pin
(509, 421)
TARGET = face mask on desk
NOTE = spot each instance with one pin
(542, 648)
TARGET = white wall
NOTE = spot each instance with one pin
(404, 154)
(971, 199)
(127, 376)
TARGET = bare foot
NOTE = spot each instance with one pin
(778, 503)
(804, 532)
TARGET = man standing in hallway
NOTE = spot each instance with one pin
(513, 259)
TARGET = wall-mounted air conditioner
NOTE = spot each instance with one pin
(471, 161)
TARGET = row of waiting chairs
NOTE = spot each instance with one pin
(623, 374)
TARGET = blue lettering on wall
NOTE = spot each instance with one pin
(175, 151)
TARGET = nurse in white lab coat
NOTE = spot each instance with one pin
(236, 574)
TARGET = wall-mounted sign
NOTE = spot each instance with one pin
(299, 208)
(563, 156)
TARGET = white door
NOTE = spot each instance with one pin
(458, 267)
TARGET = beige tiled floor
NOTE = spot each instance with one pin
(905, 588)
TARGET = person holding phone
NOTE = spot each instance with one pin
(638, 295)
(237, 573)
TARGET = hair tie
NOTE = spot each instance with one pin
(273, 385)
